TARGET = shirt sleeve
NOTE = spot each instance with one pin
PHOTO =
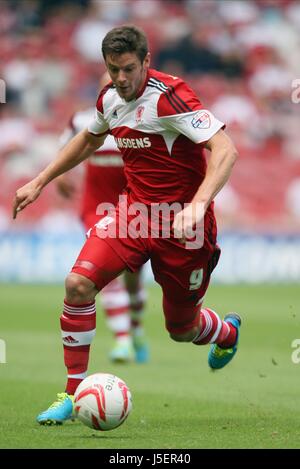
(98, 126)
(199, 125)
(179, 109)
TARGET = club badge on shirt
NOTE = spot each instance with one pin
(139, 113)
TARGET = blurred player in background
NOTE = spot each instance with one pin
(104, 180)
(161, 127)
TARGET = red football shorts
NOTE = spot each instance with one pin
(184, 274)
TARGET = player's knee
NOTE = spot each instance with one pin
(187, 336)
(79, 289)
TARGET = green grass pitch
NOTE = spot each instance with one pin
(177, 401)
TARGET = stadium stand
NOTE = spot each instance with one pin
(230, 52)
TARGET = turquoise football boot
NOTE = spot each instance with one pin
(122, 353)
(60, 411)
(141, 349)
(219, 357)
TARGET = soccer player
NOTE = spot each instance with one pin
(161, 128)
(104, 180)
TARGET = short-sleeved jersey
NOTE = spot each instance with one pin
(104, 177)
(160, 135)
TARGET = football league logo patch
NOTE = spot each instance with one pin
(201, 120)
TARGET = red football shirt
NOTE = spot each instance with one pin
(160, 135)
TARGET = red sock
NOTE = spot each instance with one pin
(78, 326)
(214, 330)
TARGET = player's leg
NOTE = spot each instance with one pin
(137, 295)
(184, 287)
(100, 261)
(96, 266)
(116, 304)
(114, 300)
(208, 328)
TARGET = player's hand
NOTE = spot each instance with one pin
(65, 186)
(26, 195)
(188, 221)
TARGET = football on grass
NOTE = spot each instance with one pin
(102, 401)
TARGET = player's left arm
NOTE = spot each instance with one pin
(220, 164)
(180, 110)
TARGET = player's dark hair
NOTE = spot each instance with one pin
(125, 39)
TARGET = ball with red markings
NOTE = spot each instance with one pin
(102, 401)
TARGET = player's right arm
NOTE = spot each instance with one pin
(77, 150)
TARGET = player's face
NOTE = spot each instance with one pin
(127, 73)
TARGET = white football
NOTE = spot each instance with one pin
(102, 401)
